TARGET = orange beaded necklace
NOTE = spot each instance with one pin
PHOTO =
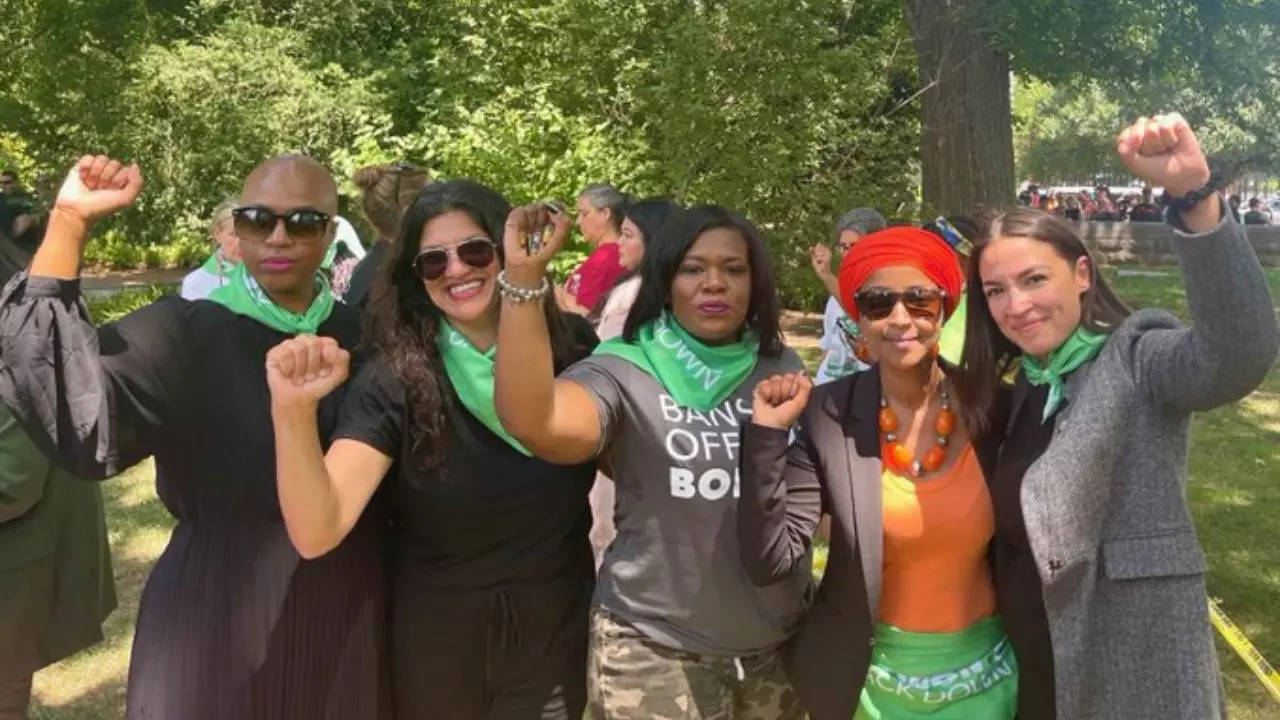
(898, 457)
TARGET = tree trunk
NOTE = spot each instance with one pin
(966, 148)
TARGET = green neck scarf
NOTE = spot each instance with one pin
(1081, 347)
(242, 295)
(471, 373)
(696, 375)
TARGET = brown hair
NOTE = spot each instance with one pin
(988, 354)
(387, 191)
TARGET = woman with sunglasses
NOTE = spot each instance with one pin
(1099, 572)
(678, 629)
(907, 597)
(492, 571)
(232, 624)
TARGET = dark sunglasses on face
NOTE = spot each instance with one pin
(256, 223)
(921, 302)
(478, 252)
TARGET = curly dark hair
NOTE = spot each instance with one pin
(401, 322)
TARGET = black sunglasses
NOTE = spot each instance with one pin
(478, 252)
(878, 303)
(256, 223)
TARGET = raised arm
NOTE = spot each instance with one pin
(781, 501)
(95, 398)
(556, 419)
(321, 494)
(1234, 337)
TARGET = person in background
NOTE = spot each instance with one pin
(387, 191)
(215, 271)
(1256, 215)
(55, 565)
(1146, 210)
(1234, 204)
(345, 253)
(1071, 208)
(639, 231)
(838, 331)
(601, 209)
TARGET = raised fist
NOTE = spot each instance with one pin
(305, 369)
(98, 186)
(778, 400)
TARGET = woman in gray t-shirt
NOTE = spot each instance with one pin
(677, 622)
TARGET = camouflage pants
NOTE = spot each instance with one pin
(630, 678)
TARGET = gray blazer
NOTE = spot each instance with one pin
(1105, 505)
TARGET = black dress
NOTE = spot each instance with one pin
(232, 624)
(493, 570)
(1018, 590)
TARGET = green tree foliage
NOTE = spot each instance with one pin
(788, 112)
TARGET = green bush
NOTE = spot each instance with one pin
(113, 307)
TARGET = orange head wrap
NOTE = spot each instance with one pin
(900, 245)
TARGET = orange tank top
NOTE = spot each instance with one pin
(936, 574)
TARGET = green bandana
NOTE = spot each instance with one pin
(471, 373)
(1081, 347)
(696, 375)
(242, 295)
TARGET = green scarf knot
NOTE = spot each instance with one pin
(1080, 347)
(242, 295)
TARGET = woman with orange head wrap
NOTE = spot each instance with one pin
(907, 601)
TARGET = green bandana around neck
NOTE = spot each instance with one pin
(242, 295)
(215, 265)
(471, 373)
(696, 375)
(1081, 347)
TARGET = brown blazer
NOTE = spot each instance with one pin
(832, 466)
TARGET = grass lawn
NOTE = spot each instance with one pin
(1235, 496)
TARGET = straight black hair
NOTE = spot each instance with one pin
(662, 259)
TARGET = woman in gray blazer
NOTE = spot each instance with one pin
(1099, 574)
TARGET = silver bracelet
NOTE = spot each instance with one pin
(519, 295)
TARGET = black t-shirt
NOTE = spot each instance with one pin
(488, 514)
(1018, 590)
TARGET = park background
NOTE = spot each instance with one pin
(790, 110)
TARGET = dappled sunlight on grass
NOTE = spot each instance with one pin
(91, 684)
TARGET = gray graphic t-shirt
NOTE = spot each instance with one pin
(674, 570)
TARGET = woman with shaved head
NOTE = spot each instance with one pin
(232, 622)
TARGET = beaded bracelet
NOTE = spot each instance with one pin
(519, 295)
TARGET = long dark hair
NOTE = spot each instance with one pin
(402, 322)
(662, 259)
(988, 354)
(649, 215)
